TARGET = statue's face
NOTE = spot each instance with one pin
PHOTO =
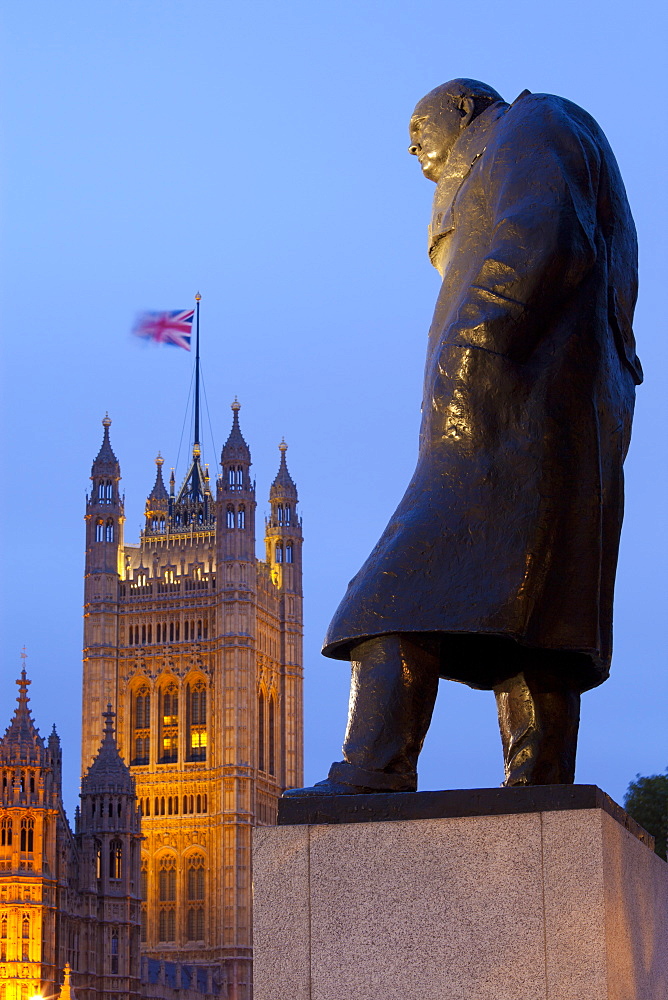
(434, 128)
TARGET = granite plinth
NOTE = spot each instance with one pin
(563, 902)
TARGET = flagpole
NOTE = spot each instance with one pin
(196, 441)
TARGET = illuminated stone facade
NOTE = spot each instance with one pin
(197, 645)
(66, 897)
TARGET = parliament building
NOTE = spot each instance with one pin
(192, 699)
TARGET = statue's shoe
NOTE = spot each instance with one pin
(327, 787)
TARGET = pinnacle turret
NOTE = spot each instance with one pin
(283, 487)
(159, 491)
(108, 772)
(22, 741)
(235, 448)
(106, 463)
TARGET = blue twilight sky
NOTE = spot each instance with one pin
(257, 151)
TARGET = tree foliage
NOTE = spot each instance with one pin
(646, 800)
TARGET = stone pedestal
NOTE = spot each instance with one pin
(548, 893)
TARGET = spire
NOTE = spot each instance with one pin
(159, 492)
(235, 448)
(66, 992)
(22, 738)
(283, 487)
(106, 462)
(108, 772)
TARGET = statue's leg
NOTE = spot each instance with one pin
(539, 714)
(392, 693)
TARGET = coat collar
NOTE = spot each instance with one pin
(469, 146)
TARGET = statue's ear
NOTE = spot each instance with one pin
(467, 110)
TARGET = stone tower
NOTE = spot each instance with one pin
(31, 935)
(197, 645)
(109, 841)
(104, 548)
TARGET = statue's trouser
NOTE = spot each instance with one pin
(393, 689)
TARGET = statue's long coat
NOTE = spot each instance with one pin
(510, 525)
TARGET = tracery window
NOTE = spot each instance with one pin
(27, 836)
(288, 552)
(260, 732)
(114, 953)
(195, 895)
(99, 531)
(109, 531)
(230, 517)
(169, 724)
(167, 898)
(142, 725)
(197, 733)
(241, 518)
(279, 553)
(116, 859)
(6, 833)
(270, 735)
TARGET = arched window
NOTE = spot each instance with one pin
(287, 517)
(197, 733)
(272, 713)
(230, 517)
(167, 898)
(195, 895)
(279, 513)
(142, 725)
(25, 934)
(279, 553)
(114, 953)
(109, 532)
(27, 836)
(109, 489)
(260, 732)
(240, 477)
(99, 531)
(116, 859)
(241, 518)
(288, 552)
(100, 490)
(6, 833)
(169, 725)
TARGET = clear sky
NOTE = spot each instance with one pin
(257, 151)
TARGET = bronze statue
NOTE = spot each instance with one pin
(497, 568)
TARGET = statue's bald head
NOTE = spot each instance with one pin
(439, 118)
(450, 95)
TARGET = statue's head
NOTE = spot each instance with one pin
(440, 117)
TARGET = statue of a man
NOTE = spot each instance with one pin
(497, 568)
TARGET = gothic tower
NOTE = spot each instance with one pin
(109, 840)
(104, 548)
(31, 810)
(197, 645)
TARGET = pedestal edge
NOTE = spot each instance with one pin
(383, 807)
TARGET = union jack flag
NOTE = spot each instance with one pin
(173, 327)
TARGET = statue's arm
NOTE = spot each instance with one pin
(540, 187)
